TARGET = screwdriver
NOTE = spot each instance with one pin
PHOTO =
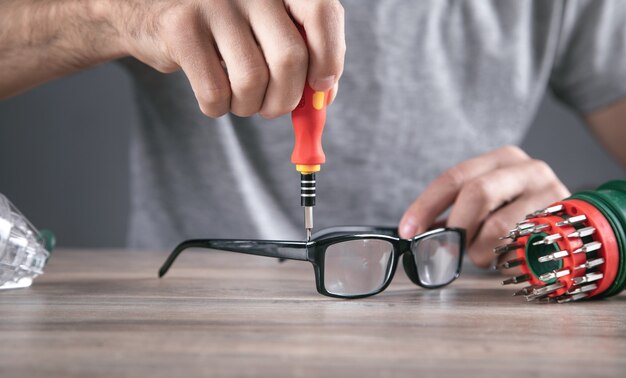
(308, 120)
(308, 123)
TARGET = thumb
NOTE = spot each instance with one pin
(323, 23)
(410, 223)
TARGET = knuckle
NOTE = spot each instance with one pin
(294, 58)
(178, 28)
(178, 21)
(558, 189)
(243, 111)
(333, 54)
(542, 169)
(245, 106)
(251, 79)
(516, 152)
(326, 9)
(478, 191)
(552, 183)
(452, 177)
(212, 112)
(214, 102)
(276, 109)
(270, 113)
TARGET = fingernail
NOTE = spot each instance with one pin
(408, 229)
(324, 84)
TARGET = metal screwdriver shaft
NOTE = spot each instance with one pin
(307, 200)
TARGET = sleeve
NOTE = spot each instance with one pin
(590, 64)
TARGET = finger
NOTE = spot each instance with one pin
(480, 250)
(285, 54)
(323, 22)
(481, 196)
(333, 93)
(441, 193)
(245, 65)
(504, 219)
(194, 51)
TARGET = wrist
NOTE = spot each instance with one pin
(103, 18)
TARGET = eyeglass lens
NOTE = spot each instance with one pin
(437, 257)
(357, 267)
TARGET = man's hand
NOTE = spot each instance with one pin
(241, 56)
(488, 195)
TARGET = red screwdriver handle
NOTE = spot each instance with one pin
(308, 123)
(308, 120)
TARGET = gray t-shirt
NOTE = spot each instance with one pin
(427, 84)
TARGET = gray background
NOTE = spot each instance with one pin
(64, 154)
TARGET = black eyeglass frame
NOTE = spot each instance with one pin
(314, 251)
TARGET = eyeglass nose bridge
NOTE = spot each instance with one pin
(408, 261)
(404, 246)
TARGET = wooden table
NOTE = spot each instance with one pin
(105, 313)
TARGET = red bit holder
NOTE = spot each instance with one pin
(573, 249)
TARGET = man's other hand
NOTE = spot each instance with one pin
(488, 195)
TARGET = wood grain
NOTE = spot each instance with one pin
(104, 313)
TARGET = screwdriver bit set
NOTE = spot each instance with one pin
(573, 249)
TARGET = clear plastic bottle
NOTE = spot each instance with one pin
(23, 250)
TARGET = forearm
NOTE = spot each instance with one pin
(609, 126)
(44, 39)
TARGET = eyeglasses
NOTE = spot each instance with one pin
(356, 261)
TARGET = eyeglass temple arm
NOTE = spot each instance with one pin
(292, 250)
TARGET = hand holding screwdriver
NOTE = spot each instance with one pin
(240, 56)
